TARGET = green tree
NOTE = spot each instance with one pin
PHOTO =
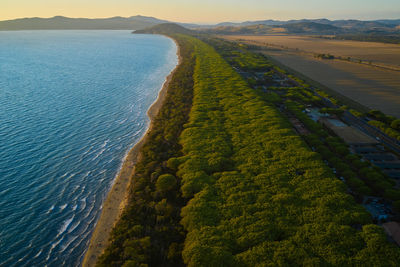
(166, 182)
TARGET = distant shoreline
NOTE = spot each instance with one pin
(117, 197)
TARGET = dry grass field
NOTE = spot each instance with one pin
(372, 87)
(380, 53)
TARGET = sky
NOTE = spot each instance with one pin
(204, 11)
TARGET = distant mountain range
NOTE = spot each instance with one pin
(338, 23)
(64, 23)
(322, 27)
(307, 26)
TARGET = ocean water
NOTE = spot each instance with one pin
(72, 103)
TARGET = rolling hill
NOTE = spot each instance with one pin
(166, 28)
(65, 23)
(303, 26)
(292, 28)
(350, 23)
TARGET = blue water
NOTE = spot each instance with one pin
(72, 103)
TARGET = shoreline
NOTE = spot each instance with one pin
(117, 197)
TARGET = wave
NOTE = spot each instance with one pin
(38, 254)
(105, 143)
(68, 242)
(122, 121)
(89, 210)
(65, 226)
(83, 201)
(51, 209)
(69, 177)
(74, 226)
(87, 151)
(98, 154)
(53, 245)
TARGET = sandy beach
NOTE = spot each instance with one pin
(117, 197)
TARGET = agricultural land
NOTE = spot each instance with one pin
(365, 72)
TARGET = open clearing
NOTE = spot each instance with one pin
(372, 87)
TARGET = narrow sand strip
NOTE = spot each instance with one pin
(117, 197)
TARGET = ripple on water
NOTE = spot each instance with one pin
(38, 254)
(65, 226)
(67, 123)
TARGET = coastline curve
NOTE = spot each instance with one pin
(117, 197)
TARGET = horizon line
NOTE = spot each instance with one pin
(201, 22)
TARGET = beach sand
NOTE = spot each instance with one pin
(118, 196)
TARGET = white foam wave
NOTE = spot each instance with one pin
(105, 143)
(86, 174)
(62, 207)
(98, 154)
(122, 121)
(38, 254)
(83, 200)
(51, 209)
(65, 226)
(73, 227)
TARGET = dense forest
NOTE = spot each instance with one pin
(224, 180)
(258, 193)
(149, 231)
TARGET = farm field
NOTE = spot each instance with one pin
(372, 87)
(379, 53)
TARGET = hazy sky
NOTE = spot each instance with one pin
(203, 10)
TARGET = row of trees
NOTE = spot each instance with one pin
(388, 124)
(372, 37)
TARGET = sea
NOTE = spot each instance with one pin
(72, 104)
